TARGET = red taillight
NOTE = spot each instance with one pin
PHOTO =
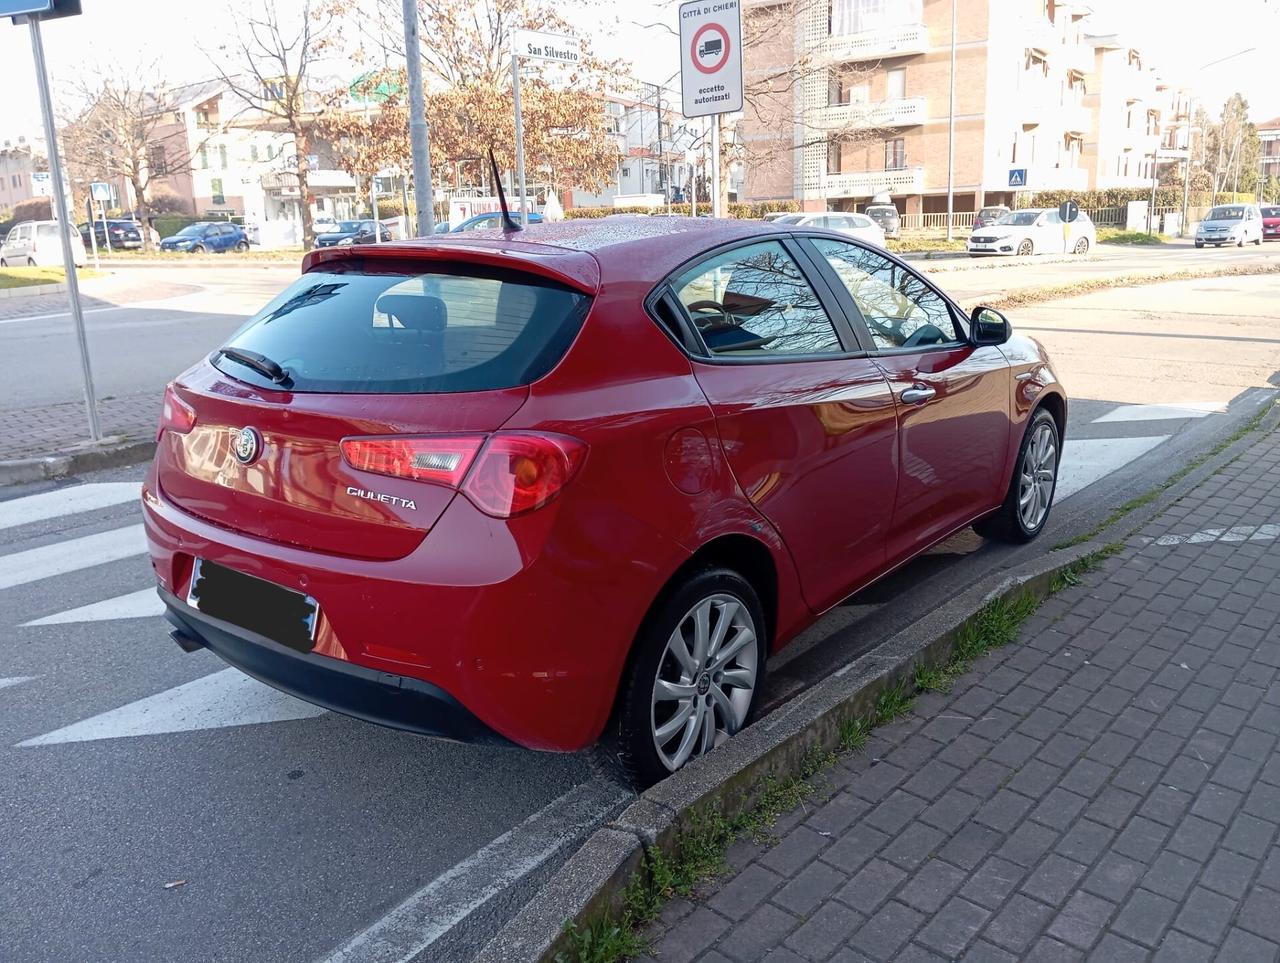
(175, 414)
(518, 472)
(509, 474)
(443, 459)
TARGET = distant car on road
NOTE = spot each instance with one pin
(1035, 231)
(581, 483)
(207, 236)
(989, 215)
(490, 221)
(324, 224)
(36, 244)
(887, 216)
(1271, 223)
(1230, 224)
(124, 234)
(352, 232)
(846, 222)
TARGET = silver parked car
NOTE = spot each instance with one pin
(1230, 224)
(36, 243)
(846, 222)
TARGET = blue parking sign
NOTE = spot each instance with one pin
(15, 8)
(1017, 177)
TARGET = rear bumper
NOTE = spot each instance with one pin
(396, 701)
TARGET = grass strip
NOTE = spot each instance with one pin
(1149, 496)
(21, 277)
(1022, 298)
(699, 852)
(1116, 235)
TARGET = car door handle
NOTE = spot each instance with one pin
(917, 394)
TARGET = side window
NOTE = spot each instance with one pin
(901, 311)
(754, 301)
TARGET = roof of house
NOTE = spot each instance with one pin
(1272, 124)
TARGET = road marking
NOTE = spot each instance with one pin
(226, 698)
(1193, 409)
(62, 314)
(66, 501)
(136, 605)
(15, 680)
(442, 904)
(76, 553)
(1238, 533)
(1088, 459)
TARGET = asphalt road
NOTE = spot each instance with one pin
(159, 806)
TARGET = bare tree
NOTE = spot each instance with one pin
(122, 128)
(268, 69)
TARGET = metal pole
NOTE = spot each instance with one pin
(373, 206)
(419, 137)
(515, 96)
(93, 238)
(106, 234)
(693, 189)
(1151, 206)
(951, 129)
(715, 167)
(64, 223)
(1186, 173)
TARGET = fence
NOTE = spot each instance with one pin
(936, 222)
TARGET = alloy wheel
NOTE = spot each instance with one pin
(706, 679)
(1025, 247)
(1082, 246)
(1037, 475)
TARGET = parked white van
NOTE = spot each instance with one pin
(36, 244)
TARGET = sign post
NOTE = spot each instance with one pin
(711, 70)
(93, 237)
(33, 10)
(101, 193)
(1068, 211)
(535, 45)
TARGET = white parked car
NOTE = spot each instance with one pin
(324, 224)
(1033, 231)
(1236, 224)
(36, 244)
(846, 222)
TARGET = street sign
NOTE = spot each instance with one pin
(100, 191)
(42, 184)
(1017, 177)
(711, 57)
(536, 45)
(1068, 211)
(16, 8)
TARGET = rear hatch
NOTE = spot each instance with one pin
(356, 348)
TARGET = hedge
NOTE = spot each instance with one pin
(1119, 197)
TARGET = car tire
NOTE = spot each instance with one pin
(629, 746)
(1240, 243)
(1258, 241)
(1012, 522)
(1199, 244)
(1082, 246)
(242, 246)
(1026, 247)
(3, 263)
(198, 249)
(31, 262)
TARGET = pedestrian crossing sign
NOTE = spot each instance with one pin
(1017, 177)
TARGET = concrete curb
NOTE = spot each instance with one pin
(21, 470)
(30, 290)
(733, 777)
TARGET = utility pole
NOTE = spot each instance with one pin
(419, 137)
(951, 130)
(1186, 171)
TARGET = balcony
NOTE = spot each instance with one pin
(897, 41)
(909, 180)
(904, 112)
(1077, 119)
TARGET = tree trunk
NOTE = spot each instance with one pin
(723, 186)
(142, 212)
(300, 145)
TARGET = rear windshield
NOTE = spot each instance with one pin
(357, 332)
(1271, 212)
(993, 211)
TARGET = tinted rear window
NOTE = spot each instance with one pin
(358, 332)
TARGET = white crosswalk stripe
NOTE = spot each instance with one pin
(69, 556)
(15, 680)
(1193, 409)
(135, 605)
(66, 501)
(1086, 460)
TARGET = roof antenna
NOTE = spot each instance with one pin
(508, 224)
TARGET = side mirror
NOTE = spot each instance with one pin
(989, 327)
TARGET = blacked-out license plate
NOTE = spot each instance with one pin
(262, 607)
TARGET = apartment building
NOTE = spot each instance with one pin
(1269, 135)
(1028, 112)
(17, 164)
(1131, 109)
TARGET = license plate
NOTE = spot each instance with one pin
(263, 607)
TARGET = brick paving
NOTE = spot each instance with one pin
(1106, 789)
(52, 429)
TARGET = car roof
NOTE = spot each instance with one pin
(584, 253)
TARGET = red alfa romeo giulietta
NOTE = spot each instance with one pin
(575, 485)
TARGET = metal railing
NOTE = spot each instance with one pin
(932, 222)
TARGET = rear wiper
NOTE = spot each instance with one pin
(258, 362)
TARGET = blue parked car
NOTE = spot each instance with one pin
(207, 236)
(490, 222)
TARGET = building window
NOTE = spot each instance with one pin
(833, 156)
(858, 16)
(896, 84)
(222, 157)
(216, 187)
(895, 154)
(253, 152)
(17, 180)
(204, 157)
(157, 160)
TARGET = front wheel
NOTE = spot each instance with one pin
(242, 246)
(31, 262)
(198, 249)
(1035, 476)
(1082, 246)
(1026, 247)
(694, 676)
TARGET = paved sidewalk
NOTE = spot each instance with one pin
(56, 429)
(1106, 789)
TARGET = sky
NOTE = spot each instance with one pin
(1178, 37)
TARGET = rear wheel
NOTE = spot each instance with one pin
(1026, 247)
(1082, 246)
(242, 246)
(1035, 476)
(694, 677)
(31, 262)
(3, 263)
